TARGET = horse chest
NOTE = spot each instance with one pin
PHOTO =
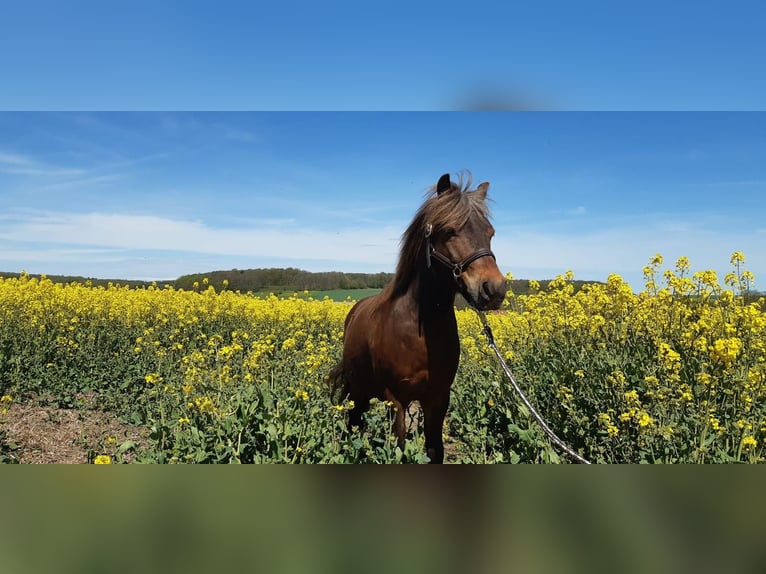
(417, 358)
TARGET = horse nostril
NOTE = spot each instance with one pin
(492, 292)
(485, 291)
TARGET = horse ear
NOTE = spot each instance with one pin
(443, 185)
(483, 189)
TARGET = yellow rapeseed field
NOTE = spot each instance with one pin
(674, 373)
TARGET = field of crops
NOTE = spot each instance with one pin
(672, 374)
(338, 295)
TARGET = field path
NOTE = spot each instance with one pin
(50, 435)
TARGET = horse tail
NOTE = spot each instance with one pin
(339, 384)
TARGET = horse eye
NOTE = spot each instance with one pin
(449, 233)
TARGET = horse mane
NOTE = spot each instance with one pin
(450, 209)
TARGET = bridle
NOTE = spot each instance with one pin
(457, 268)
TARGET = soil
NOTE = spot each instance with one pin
(35, 434)
(414, 419)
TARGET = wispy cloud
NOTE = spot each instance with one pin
(13, 159)
(527, 251)
(134, 232)
(81, 182)
(19, 164)
(25, 256)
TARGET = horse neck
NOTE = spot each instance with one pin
(434, 297)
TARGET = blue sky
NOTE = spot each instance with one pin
(153, 195)
(394, 55)
(156, 194)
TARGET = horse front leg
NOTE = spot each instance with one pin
(434, 411)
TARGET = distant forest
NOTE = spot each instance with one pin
(274, 280)
(279, 280)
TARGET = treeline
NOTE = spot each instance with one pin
(272, 280)
(133, 284)
(279, 280)
(288, 280)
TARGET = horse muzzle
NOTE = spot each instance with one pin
(485, 294)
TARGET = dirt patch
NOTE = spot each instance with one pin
(413, 419)
(33, 434)
(46, 435)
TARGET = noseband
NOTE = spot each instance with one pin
(457, 268)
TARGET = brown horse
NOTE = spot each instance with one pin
(402, 344)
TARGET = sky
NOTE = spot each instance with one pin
(154, 195)
(151, 139)
(394, 55)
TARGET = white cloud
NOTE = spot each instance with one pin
(131, 246)
(140, 232)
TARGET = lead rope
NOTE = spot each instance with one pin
(517, 388)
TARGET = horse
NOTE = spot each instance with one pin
(402, 344)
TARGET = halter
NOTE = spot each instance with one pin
(457, 268)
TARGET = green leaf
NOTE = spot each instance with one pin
(127, 445)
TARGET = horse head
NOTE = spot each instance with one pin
(458, 236)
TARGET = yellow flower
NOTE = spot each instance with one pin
(668, 356)
(644, 420)
(605, 420)
(726, 350)
(153, 378)
(288, 344)
(617, 378)
(103, 459)
(203, 405)
(703, 378)
(743, 424)
(749, 442)
(627, 415)
(301, 394)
